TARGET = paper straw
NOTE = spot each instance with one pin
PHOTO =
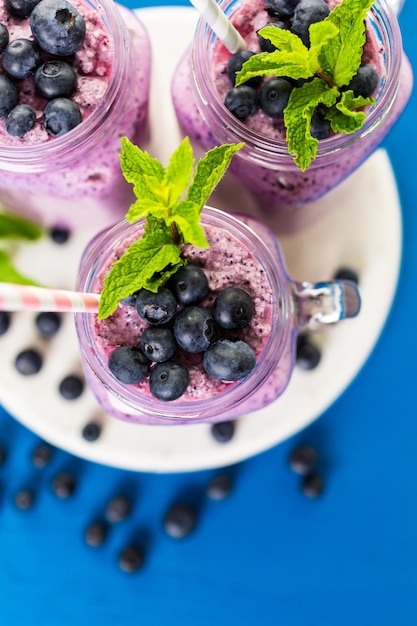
(220, 24)
(29, 298)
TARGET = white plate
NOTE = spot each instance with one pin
(362, 230)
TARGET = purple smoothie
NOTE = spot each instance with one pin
(75, 179)
(264, 166)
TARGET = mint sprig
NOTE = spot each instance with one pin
(170, 199)
(14, 227)
(329, 64)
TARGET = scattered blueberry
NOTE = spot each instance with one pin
(21, 8)
(57, 27)
(281, 8)
(55, 79)
(347, 273)
(59, 234)
(128, 364)
(28, 362)
(20, 120)
(2, 454)
(4, 322)
(274, 96)
(131, 559)
(180, 520)
(63, 485)
(24, 499)
(60, 116)
(21, 58)
(168, 381)
(233, 308)
(234, 65)
(91, 431)
(48, 323)
(312, 485)
(4, 37)
(303, 460)
(265, 44)
(364, 82)
(319, 127)
(219, 487)
(189, 284)
(241, 101)
(71, 387)
(308, 355)
(306, 13)
(8, 95)
(118, 509)
(96, 534)
(156, 308)
(194, 328)
(229, 360)
(158, 343)
(223, 432)
(41, 455)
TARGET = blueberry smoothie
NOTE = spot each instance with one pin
(264, 167)
(63, 167)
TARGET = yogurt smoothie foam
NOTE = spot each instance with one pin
(75, 179)
(264, 166)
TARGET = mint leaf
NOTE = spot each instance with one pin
(9, 274)
(186, 216)
(297, 118)
(17, 227)
(179, 171)
(343, 117)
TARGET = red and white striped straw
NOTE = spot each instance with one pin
(220, 24)
(28, 298)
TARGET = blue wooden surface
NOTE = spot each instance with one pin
(267, 554)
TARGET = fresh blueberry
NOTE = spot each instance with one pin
(308, 354)
(4, 322)
(233, 308)
(59, 234)
(130, 300)
(63, 485)
(118, 509)
(4, 37)
(364, 82)
(20, 120)
(312, 485)
(242, 101)
(55, 79)
(189, 284)
(303, 460)
(180, 520)
(71, 387)
(274, 96)
(60, 116)
(158, 343)
(219, 487)
(223, 432)
(28, 362)
(229, 360)
(168, 381)
(266, 45)
(156, 308)
(21, 58)
(24, 499)
(129, 365)
(319, 127)
(194, 328)
(8, 95)
(41, 455)
(95, 534)
(131, 559)
(234, 65)
(347, 273)
(57, 27)
(306, 13)
(48, 323)
(20, 8)
(91, 431)
(281, 8)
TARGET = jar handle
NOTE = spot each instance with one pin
(325, 303)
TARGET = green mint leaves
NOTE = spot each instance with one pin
(170, 199)
(329, 64)
(13, 227)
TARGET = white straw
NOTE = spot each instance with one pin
(29, 298)
(220, 24)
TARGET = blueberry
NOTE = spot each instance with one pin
(264, 44)
(59, 234)
(20, 120)
(189, 284)
(312, 485)
(347, 273)
(242, 101)
(168, 381)
(48, 323)
(24, 499)
(128, 364)
(223, 432)
(20, 8)
(308, 355)
(319, 127)
(364, 82)
(91, 431)
(131, 559)
(95, 534)
(219, 487)
(156, 308)
(306, 13)
(194, 328)
(4, 37)
(41, 455)
(71, 387)
(130, 300)
(180, 520)
(281, 8)
(63, 485)
(158, 343)
(21, 58)
(233, 308)
(57, 27)
(60, 116)
(234, 65)
(4, 322)
(28, 362)
(55, 79)
(229, 360)
(8, 95)
(118, 509)
(303, 460)
(274, 96)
